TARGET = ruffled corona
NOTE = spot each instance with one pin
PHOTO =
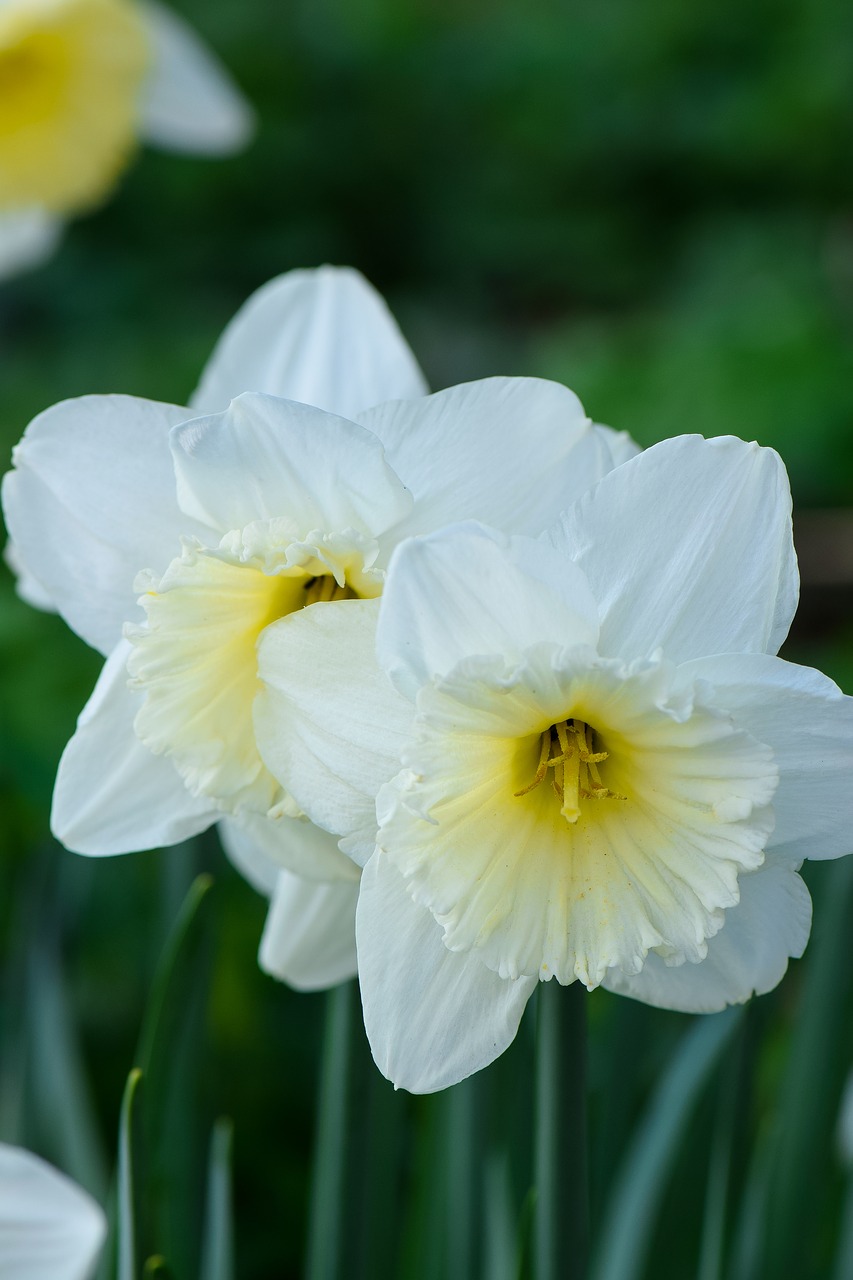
(195, 658)
(640, 848)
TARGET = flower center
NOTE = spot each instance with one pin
(195, 657)
(325, 587)
(567, 747)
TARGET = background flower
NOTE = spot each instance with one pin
(50, 1229)
(80, 82)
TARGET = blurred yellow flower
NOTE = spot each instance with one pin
(81, 82)
(70, 73)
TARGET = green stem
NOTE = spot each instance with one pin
(561, 1230)
(326, 1227)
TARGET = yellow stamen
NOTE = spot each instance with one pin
(325, 587)
(575, 764)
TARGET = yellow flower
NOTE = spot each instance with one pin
(81, 82)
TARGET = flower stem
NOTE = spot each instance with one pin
(327, 1229)
(561, 1229)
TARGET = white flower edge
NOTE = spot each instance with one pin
(189, 101)
(28, 237)
(50, 1229)
(323, 336)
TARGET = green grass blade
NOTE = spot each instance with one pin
(130, 1179)
(217, 1254)
(640, 1185)
(817, 1067)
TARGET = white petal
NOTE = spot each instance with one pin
(27, 238)
(324, 337)
(309, 936)
(261, 847)
(190, 102)
(265, 458)
(91, 501)
(112, 795)
(328, 719)
(512, 452)
(50, 1229)
(619, 444)
(26, 584)
(467, 590)
(808, 722)
(688, 546)
(432, 1016)
(748, 956)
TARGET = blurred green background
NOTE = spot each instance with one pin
(650, 202)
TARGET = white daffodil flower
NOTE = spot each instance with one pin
(321, 336)
(81, 82)
(50, 1229)
(220, 524)
(589, 764)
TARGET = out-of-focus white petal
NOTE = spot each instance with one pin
(328, 719)
(432, 1016)
(50, 1229)
(748, 956)
(189, 101)
(808, 722)
(324, 337)
(688, 546)
(28, 237)
(265, 458)
(467, 590)
(309, 935)
(91, 501)
(112, 795)
(512, 452)
(260, 847)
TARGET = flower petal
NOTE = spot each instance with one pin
(324, 337)
(748, 956)
(432, 1016)
(309, 936)
(27, 238)
(261, 847)
(688, 546)
(91, 501)
(265, 458)
(50, 1229)
(467, 590)
(808, 722)
(189, 103)
(328, 719)
(112, 795)
(512, 452)
(27, 584)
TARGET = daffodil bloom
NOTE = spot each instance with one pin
(81, 81)
(589, 765)
(174, 540)
(50, 1229)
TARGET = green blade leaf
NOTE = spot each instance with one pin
(217, 1253)
(641, 1182)
(130, 1179)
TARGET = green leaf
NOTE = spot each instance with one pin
(130, 1179)
(640, 1184)
(217, 1253)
